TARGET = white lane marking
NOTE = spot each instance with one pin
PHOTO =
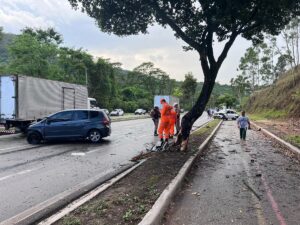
(78, 154)
(99, 149)
(16, 174)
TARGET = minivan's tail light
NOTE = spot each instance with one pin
(106, 122)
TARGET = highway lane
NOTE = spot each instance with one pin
(29, 175)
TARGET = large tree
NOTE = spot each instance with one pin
(198, 23)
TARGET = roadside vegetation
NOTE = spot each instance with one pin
(128, 201)
(269, 73)
(277, 107)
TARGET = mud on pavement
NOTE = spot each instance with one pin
(128, 200)
(238, 182)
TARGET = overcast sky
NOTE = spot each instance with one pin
(78, 30)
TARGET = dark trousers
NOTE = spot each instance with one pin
(177, 125)
(243, 132)
(156, 122)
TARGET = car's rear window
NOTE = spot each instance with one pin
(96, 114)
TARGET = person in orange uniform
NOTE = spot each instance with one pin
(173, 118)
(164, 125)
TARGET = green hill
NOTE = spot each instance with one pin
(282, 99)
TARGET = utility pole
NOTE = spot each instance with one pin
(86, 76)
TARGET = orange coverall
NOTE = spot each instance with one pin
(164, 125)
(173, 118)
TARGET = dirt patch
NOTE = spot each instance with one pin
(289, 129)
(130, 199)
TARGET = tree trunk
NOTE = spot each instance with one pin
(197, 110)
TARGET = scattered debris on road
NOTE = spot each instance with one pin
(252, 190)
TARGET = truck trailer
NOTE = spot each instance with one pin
(24, 99)
(170, 100)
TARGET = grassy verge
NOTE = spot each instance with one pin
(269, 114)
(293, 139)
(207, 128)
(128, 201)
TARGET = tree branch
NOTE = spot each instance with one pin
(174, 26)
(246, 29)
(210, 50)
(204, 63)
(223, 55)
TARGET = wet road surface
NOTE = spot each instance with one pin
(32, 174)
(219, 190)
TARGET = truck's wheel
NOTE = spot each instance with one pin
(34, 138)
(95, 136)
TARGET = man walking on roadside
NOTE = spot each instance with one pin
(243, 124)
(155, 115)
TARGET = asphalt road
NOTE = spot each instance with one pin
(32, 174)
(219, 191)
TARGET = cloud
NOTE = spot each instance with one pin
(17, 14)
(80, 31)
(173, 61)
(14, 20)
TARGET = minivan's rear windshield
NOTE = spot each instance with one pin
(96, 114)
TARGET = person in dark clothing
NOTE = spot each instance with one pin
(155, 115)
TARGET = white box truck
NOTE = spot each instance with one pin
(170, 100)
(24, 99)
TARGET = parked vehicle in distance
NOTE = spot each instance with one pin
(226, 115)
(220, 115)
(231, 114)
(140, 112)
(117, 112)
(71, 124)
(106, 111)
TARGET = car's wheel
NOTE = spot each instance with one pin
(95, 136)
(34, 138)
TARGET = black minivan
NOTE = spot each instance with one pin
(71, 124)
